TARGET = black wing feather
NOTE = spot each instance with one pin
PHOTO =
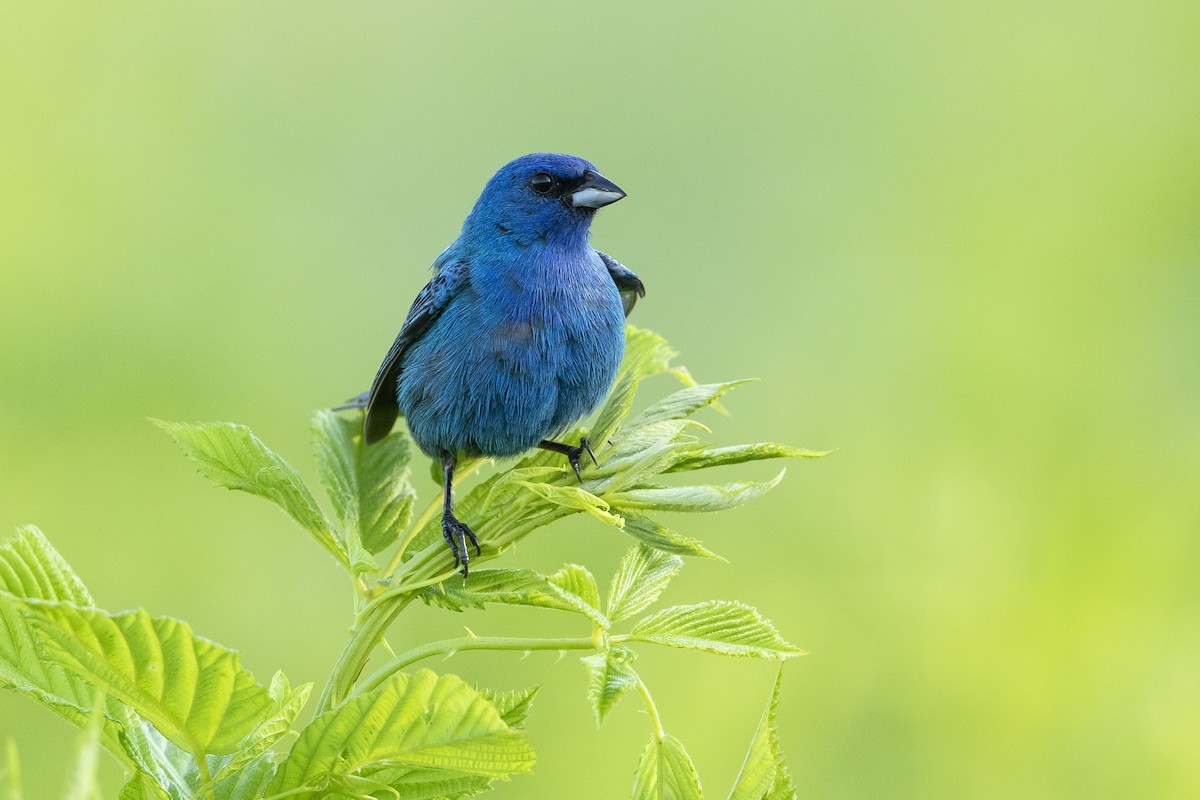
(381, 405)
(628, 284)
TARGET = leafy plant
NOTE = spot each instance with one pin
(187, 721)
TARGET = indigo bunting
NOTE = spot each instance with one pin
(519, 333)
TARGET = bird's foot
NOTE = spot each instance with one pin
(573, 455)
(456, 535)
(576, 452)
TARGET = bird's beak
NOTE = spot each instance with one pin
(596, 192)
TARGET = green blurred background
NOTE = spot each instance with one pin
(960, 243)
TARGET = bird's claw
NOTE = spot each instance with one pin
(456, 535)
(574, 453)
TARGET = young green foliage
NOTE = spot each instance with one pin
(513, 705)
(694, 498)
(570, 589)
(684, 402)
(368, 486)
(658, 536)
(142, 787)
(193, 691)
(187, 721)
(726, 627)
(739, 454)
(31, 568)
(421, 720)
(233, 457)
(764, 775)
(666, 772)
(610, 676)
(34, 578)
(642, 576)
(286, 704)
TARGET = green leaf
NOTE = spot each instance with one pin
(247, 783)
(641, 454)
(610, 676)
(652, 350)
(232, 456)
(726, 627)
(421, 720)
(510, 483)
(193, 691)
(783, 789)
(163, 766)
(620, 400)
(31, 568)
(566, 590)
(575, 581)
(402, 783)
(24, 668)
(646, 354)
(666, 772)
(513, 705)
(141, 787)
(685, 402)
(660, 537)
(575, 498)
(739, 454)
(167, 771)
(642, 576)
(764, 775)
(369, 486)
(693, 498)
(286, 705)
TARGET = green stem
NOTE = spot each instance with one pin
(651, 709)
(406, 588)
(203, 773)
(451, 646)
(366, 634)
(373, 619)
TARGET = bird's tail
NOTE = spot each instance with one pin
(358, 401)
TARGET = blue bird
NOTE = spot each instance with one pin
(519, 333)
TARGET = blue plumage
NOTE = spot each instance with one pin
(520, 331)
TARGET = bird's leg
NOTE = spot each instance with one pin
(572, 453)
(455, 533)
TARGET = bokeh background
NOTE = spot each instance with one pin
(960, 243)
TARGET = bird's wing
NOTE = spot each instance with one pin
(381, 406)
(628, 284)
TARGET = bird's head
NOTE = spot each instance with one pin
(542, 197)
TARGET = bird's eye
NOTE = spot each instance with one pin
(541, 183)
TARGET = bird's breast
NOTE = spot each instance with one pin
(519, 360)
